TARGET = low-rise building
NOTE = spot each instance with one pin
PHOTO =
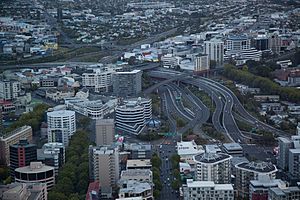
(132, 188)
(24, 191)
(234, 149)
(141, 175)
(59, 94)
(259, 188)
(94, 109)
(207, 190)
(139, 151)
(284, 193)
(188, 149)
(139, 164)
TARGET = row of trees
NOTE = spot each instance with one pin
(156, 164)
(33, 118)
(176, 183)
(73, 178)
(266, 85)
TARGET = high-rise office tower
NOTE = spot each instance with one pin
(127, 83)
(215, 50)
(105, 131)
(21, 154)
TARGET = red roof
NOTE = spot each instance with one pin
(4, 102)
(93, 186)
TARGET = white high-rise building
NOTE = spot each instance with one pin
(61, 126)
(9, 90)
(213, 167)
(207, 190)
(215, 50)
(246, 171)
(104, 165)
(100, 79)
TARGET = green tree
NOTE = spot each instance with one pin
(56, 196)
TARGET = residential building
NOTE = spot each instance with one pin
(9, 90)
(215, 50)
(275, 43)
(52, 154)
(59, 94)
(285, 145)
(284, 193)
(213, 167)
(235, 44)
(139, 164)
(132, 115)
(141, 175)
(234, 149)
(21, 155)
(259, 188)
(24, 191)
(139, 151)
(104, 165)
(100, 79)
(36, 172)
(170, 61)
(105, 132)
(132, 188)
(201, 63)
(127, 83)
(188, 149)
(294, 163)
(207, 190)
(245, 172)
(93, 109)
(61, 126)
(24, 132)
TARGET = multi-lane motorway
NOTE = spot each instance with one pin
(226, 103)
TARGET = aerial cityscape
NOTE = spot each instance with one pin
(150, 100)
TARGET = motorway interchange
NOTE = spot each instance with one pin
(227, 105)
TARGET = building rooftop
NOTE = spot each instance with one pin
(283, 191)
(34, 167)
(138, 147)
(139, 163)
(136, 172)
(61, 113)
(232, 147)
(131, 72)
(210, 184)
(212, 148)
(189, 148)
(14, 132)
(211, 157)
(135, 187)
(260, 167)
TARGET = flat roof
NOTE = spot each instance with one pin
(211, 184)
(189, 148)
(34, 167)
(139, 163)
(232, 146)
(136, 172)
(61, 113)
